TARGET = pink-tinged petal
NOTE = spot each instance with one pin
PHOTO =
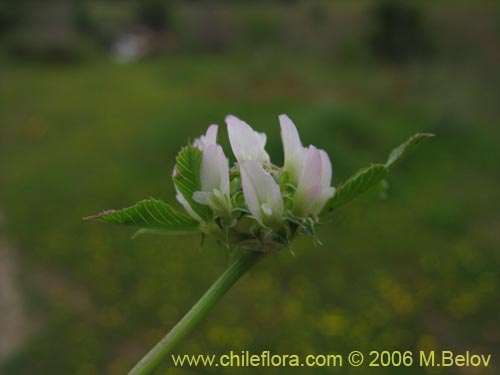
(325, 195)
(261, 138)
(262, 193)
(293, 149)
(209, 138)
(211, 135)
(246, 143)
(309, 186)
(327, 191)
(326, 174)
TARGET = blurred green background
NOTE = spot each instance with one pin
(97, 97)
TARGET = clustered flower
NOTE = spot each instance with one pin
(255, 204)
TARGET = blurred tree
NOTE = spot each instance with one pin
(47, 32)
(398, 31)
(82, 18)
(318, 13)
(10, 12)
(261, 28)
(155, 14)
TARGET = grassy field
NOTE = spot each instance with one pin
(417, 270)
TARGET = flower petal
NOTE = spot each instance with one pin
(327, 191)
(210, 138)
(214, 169)
(326, 170)
(324, 196)
(214, 179)
(202, 197)
(309, 186)
(246, 143)
(262, 193)
(293, 149)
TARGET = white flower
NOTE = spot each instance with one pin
(210, 138)
(292, 146)
(214, 178)
(247, 144)
(313, 189)
(262, 194)
(308, 168)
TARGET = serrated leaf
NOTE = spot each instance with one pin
(187, 178)
(404, 149)
(150, 214)
(375, 174)
(356, 185)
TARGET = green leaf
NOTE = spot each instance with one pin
(151, 215)
(187, 178)
(164, 231)
(373, 175)
(404, 149)
(356, 185)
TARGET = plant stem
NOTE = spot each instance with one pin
(232, 274)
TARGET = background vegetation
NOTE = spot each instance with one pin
(83, 129)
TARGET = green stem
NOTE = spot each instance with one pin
(233, 273)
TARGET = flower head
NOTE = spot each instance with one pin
(255, 203)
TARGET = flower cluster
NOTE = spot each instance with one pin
(255, 204)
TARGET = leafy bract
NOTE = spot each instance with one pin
(400, 152)
(152, 215)
(371, 176)
(356, 185)
(187, 178)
